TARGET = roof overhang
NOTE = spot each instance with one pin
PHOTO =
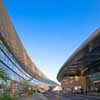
(13, 43)
(83, 56)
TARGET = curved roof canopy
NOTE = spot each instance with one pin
(13, 43)
(84, 57)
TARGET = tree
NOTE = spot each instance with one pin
(3, 86)
(3, 76)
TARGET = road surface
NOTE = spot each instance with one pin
(53, 96)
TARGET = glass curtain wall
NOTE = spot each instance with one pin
(16, 75)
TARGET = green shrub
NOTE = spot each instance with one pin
(6, 98)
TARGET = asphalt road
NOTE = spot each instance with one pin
(54, 96)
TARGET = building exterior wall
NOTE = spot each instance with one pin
(11, 39)
(14, 59)
(94, 82)
(74, 83)
(86, 60)
(16, 75)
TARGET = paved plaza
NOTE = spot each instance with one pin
(53, 96)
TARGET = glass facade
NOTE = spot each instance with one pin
(17, 76)
(13, 70)
(94, 81)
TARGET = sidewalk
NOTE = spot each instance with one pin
(38, 96)
(93, 94)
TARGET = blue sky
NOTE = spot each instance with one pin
(51, 30)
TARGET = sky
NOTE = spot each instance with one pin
(51, 30)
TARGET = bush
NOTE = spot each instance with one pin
(6, 98)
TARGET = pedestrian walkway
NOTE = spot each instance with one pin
(93, 94)
(54, 96)
(38, 96)
(67, 96)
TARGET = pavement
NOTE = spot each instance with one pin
(60, 96)
(38, 96)
(56, 96)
